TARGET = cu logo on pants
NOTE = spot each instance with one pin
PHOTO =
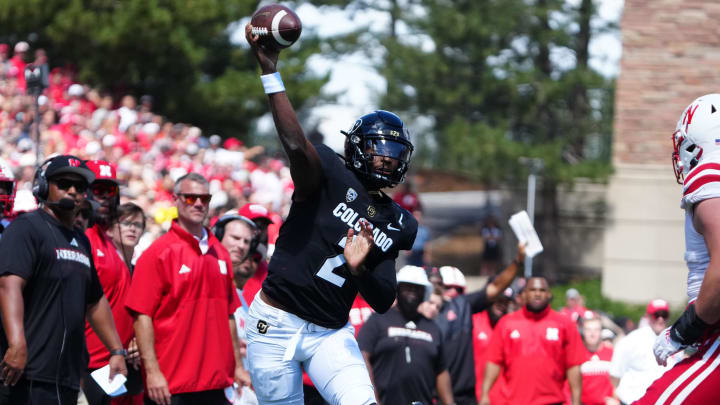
(262, 326)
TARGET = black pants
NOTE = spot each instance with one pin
(27, 392)
(96, 396)
(212, 397)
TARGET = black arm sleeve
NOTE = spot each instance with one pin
(377, 285)
(478, 300)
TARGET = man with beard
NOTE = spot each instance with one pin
(114, 274)
(535, 348)
(402, 348)
(48, 289)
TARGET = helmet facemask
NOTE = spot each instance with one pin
(378, 151)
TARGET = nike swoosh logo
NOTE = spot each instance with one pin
(392, 228)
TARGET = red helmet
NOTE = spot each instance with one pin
(8, 187)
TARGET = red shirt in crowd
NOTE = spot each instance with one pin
(595, 369)
(482, 332)
(535, 351)
(190, 297)
(254, 283)
(115, 279)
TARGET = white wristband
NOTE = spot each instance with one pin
(272, 83)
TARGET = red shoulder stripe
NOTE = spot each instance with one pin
(698, 169)
(703, 180)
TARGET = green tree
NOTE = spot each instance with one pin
(177, 50)
(499, 80)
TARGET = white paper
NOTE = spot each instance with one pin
(525, 232)
(113, 388)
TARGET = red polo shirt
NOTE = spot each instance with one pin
(190, 297)
(115, 279)
(535, 351)
(482, 332)
(595, 369)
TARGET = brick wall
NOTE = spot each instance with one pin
(671, 55)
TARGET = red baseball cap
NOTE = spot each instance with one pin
(255, 211)
(657, 305)
(103, 170)
(232, 143)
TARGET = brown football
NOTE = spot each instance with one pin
(278, 26)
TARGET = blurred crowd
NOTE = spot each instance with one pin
(149, 151)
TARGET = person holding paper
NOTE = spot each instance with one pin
(48, 288)
(456, 325)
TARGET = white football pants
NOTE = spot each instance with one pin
(280, 342)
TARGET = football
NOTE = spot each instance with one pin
(277, 26)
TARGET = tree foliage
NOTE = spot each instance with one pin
(177, 50)
(499, 80)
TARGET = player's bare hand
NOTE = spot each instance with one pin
(266, 57)
(13, 364)
(358, 246)
(485, 400)
(157, 388)
(133, 357)
(117, 366)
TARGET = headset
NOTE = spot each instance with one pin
(40, 187)
(219, 230)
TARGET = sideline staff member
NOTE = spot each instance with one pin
(47, 290)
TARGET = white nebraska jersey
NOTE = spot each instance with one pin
(701, 183)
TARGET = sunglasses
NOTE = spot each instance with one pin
(190, 199)
(137, 225)
(101, 189)
(65, 184)
(663, 314)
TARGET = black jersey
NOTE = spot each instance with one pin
(61, 281)
(307, 273)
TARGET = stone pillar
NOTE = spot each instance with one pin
(671, 55)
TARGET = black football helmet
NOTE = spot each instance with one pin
(378, 134)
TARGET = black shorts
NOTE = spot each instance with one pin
(27, 392)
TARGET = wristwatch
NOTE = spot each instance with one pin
(121, 352)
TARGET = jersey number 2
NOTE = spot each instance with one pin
(332, 263)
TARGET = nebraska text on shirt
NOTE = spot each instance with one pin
(74, 255)
(394, 331)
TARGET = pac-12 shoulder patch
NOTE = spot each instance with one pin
(351, 195)
(262, 326)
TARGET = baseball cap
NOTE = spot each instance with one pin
(69, 164)
(657, 305)
(22, 46)
(232, 143)
(572, 293)
(255, 211)
(4, 48)
(452, 277)
(415, 275)
(103, 170)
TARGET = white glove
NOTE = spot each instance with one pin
(665, 346)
